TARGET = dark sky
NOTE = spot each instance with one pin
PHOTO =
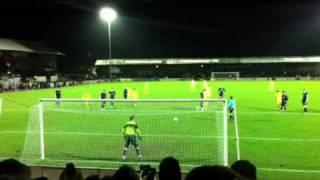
(167, 28)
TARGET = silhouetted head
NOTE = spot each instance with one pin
(132, 117)
(211, 173)
(106, 178)
(125, 173)
(41, 178)
(231, 97)
(93, 177)
(169, 169)
(14, 168)
(245, 168)
(70, 169)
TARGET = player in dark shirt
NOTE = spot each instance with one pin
(305, 98)
(221, 91)
(202, 97)
(58, 96)
(112, 95)
(103, 97)
(284, 101)
(125, 93)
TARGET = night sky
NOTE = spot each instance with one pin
(167, 28)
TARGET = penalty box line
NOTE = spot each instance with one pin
(168, 136)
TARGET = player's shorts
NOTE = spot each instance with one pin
(111, 100)
(283, 103)
(103, 101)
(231, 110)
(132, 139)
(201, 103)
(304, 102)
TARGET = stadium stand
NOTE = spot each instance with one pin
(260, 67)
(21, 61)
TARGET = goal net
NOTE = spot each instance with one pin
(80, 131)
(225, 75)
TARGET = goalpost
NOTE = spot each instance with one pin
(0, 105)
(225, 75)
(170, 127)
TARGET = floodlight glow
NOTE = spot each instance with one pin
(108, 14)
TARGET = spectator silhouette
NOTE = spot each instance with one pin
(125, 173)
(41, 178)
(11, 168)
(211, 173)
(245, 169)
(106, 178)
(169, 169)
(70, 173)
(6, 177)
(93, 177)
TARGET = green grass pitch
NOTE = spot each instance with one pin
(283, 145)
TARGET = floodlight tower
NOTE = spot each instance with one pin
(108, 15)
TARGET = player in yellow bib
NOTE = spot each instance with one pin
(203, 96)
(87, 97)
(278, 97)
(134, 95)
(192, 85)
(131, 134)
(146, 89)
(208, 92)
(271, 86)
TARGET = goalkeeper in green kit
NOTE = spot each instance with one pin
(131, 135)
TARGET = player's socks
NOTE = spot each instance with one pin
(124, 158)
(124, 154)
(138, 153)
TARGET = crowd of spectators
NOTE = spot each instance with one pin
(169, 169)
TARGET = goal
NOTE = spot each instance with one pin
(225, 75)
(80, 131)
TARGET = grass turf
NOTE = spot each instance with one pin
(271, 139)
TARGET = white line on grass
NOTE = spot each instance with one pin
(15, 110)
(167, 136)
(289, 170)
(277, 112)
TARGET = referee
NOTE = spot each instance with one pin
(58, 96)
(131, 132)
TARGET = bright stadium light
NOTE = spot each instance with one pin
(108, 15)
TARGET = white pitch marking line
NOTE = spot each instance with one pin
(289, 170)
(277, 112)
(167, 135)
